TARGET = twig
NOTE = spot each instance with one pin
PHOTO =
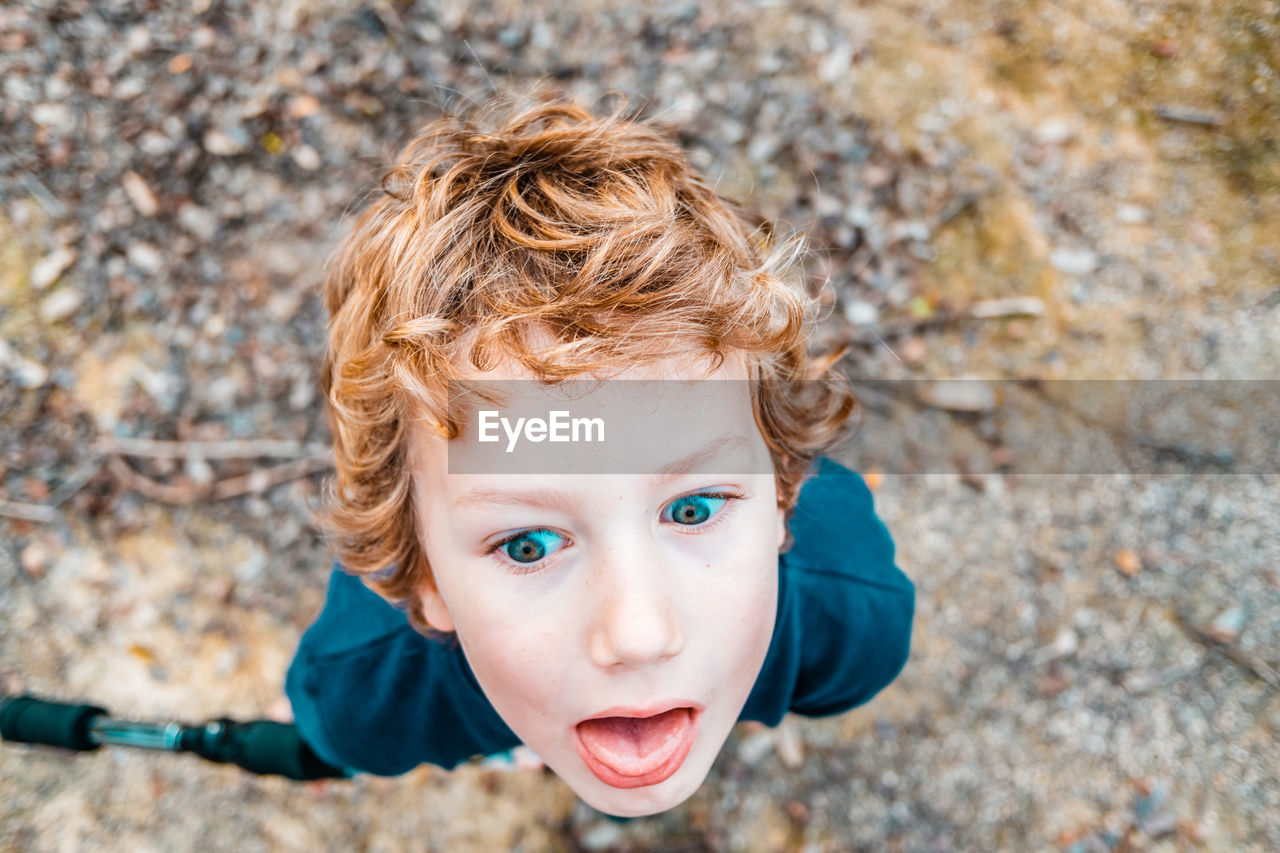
(229, 449)
(902, 328)
(149, 488)
(1233, 652)
(987, 309)
(111, 450)
(956, 206)
(47, 512)
(1188, 115)
(28, 512)
(265, 478)
(47, 200)
(76, 481)
(253, 482)
(1014, 306)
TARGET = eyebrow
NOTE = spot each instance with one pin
(564, 502)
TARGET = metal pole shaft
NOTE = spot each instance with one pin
(165, 736)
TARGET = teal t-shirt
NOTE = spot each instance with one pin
(371, 694)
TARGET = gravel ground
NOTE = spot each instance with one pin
(1095, 657)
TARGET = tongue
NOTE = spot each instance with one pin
(633, 746)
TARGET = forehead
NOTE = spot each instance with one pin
(669, 417)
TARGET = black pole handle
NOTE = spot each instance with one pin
(261, 746)
(26, 719)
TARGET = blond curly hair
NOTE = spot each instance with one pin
(540, 218)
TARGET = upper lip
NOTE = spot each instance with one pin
(638, 711)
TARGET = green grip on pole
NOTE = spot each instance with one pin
(26, 719)
(263, 747)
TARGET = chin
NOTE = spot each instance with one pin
(645, 801)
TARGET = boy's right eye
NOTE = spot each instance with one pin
(530, 546)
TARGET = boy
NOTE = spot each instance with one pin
(616, 612)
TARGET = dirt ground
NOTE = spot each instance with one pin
(1094, 665)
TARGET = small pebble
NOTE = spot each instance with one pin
(306, 157)
(789, 743)
(145, 258)
(129, 88)
(753, 748)
(861, 313)
(35, 560)
(226, 143)
(303, 106)
(204, 38)
(958, 395)
(140, 194)
(199, 470)
(913, 350)
(1226, 626)
(51, 267)
(28, 373)
(1074, 261)
(1054, 131)
(1065, 643)
(56, 117)
(601, 836)
(1132, 214)
(60, 305)
(138, 38)
(200, 221)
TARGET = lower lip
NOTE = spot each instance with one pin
(661, 773)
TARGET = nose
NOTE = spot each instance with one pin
(637, 619)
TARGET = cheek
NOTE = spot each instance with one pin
(516, 660)
(740, 600)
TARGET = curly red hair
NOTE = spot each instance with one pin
(519, 221)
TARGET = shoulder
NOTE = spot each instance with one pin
(852, 605)
(371, 693)
(353, 616)
(835, 530)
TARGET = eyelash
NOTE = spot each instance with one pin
(729, 498)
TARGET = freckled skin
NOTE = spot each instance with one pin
(630, 610)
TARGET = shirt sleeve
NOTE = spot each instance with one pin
(848, 608)
(371, 694)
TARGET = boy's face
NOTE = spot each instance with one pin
(621, 620)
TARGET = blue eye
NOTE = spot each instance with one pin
(530, 546)
(693, 510)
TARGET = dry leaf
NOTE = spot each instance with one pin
(1128, 562)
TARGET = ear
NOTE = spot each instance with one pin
(436, 609)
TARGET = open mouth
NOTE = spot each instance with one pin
(630, 751)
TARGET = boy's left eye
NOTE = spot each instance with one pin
(692, 510)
